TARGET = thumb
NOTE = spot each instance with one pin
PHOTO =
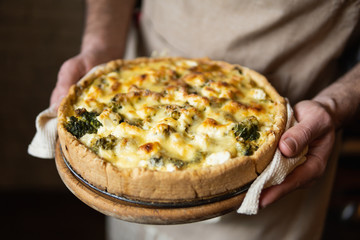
(314, 121)
(295, 140)
(59, 92)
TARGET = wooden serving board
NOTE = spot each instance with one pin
(140, 213)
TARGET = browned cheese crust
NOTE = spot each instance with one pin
(147, 184)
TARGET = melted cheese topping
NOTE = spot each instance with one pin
(173, 114)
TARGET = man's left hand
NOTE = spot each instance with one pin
(316, 129)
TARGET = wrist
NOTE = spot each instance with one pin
(342, 98)
(100, 47)
(106, 27)
(330, 106)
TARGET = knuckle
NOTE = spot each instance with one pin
(67, 63)
(71, 67)
(297, 185)
(64, 67)
(325, 116)
(305, 132)
(318, 166)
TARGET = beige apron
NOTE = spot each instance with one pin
(296, 45)
(293, 43)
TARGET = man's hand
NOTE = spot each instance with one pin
(318, 120)
(316, 129)
(72, 70)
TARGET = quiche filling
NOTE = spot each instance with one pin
(171, 115)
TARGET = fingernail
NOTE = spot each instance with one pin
(290, 144)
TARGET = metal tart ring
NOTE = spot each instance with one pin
(176, 204)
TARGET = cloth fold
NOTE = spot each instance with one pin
(43, 146)
(43, 143)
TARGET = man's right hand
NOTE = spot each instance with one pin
(73, 70)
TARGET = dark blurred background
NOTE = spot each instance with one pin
(36, 37)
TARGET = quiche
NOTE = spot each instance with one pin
(170, 129)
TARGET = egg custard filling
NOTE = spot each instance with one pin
(173, 114)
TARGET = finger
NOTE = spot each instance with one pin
(314, 121)
(56, 98)
(303, 175)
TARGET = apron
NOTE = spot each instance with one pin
(295, 44)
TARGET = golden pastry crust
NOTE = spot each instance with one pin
(153, 185)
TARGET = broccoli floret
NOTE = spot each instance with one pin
(173, 111)
(84, 122)
(115, 106)
(236, 68)
(160, 161)
(179, 164)
(156, 161)
(249, 148)
(247, 129)
(106, 143)
(246, 133)
(135, 122)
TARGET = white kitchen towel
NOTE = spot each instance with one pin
(43, 146)
(273, 174)
(43, 143)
